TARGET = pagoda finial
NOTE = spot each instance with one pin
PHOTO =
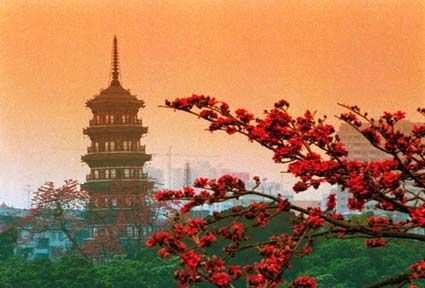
(115, 62)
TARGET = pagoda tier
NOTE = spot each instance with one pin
(115, 156)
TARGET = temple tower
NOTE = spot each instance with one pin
(117, 184)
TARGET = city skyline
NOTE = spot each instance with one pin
(56, 56)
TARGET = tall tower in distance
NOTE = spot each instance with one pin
(117, 184)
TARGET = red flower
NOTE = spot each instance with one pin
(220, 279)
(207, 240)
(304, 282)
(208, 114)
(244, 116)
(390, 179)
(191, 259)
(307, 249)
(372, 243)
(418, 216)
(357, 185)
(234, 232)
(200, 182)
(150, 243)
(331, 202)
(281, 104)
(270, 264)
(314, 219)
(188, 191)
(163, 252)
(300, 186)
(235, 271)
(257, 279)
(355, 204)
(376, 221)
(418, 269)
(371, 135)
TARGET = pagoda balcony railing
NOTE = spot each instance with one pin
(133, 150)
(91, 178)
(93, 122)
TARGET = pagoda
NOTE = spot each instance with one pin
(117, 184)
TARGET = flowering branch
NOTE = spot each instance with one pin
(315, 155)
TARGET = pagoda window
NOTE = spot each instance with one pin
(125, 145)
(113, 173)
(114, 202)
(123, 118)
(130, 231)
(96, 174)
(112, 146)
(107, 118)
(107, 173)
(126, 173)
(112, 119)
(128, 200)
(97, 119)
(96, 146)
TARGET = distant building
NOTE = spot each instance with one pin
(47, 244)
(360, 149)
(306, 203)
(116, 157)
(156, 175)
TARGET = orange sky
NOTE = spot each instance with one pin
(54, 55)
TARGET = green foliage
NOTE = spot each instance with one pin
(8, 243)
(335, 263)
(74, 272)
(350, 264)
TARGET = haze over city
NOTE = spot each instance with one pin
(54, 56)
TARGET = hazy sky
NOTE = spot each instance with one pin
(54, 55)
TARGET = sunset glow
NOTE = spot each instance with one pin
(55, 55)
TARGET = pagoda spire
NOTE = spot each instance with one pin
(115, 63)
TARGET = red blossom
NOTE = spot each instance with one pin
(200, 182)
(315, 155)
(331, 203)
(207, 240)
(256, 280)
(235, 271)
(221, 279)
(390, 179)
(300, 186)
(234, 232)
(418, 216)
(355, 204)
(314, 219)
(304, 282)
(163, 252)
(357, 185)
(377, 221)
(378, 242)
(418, 269)
(191, 259)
